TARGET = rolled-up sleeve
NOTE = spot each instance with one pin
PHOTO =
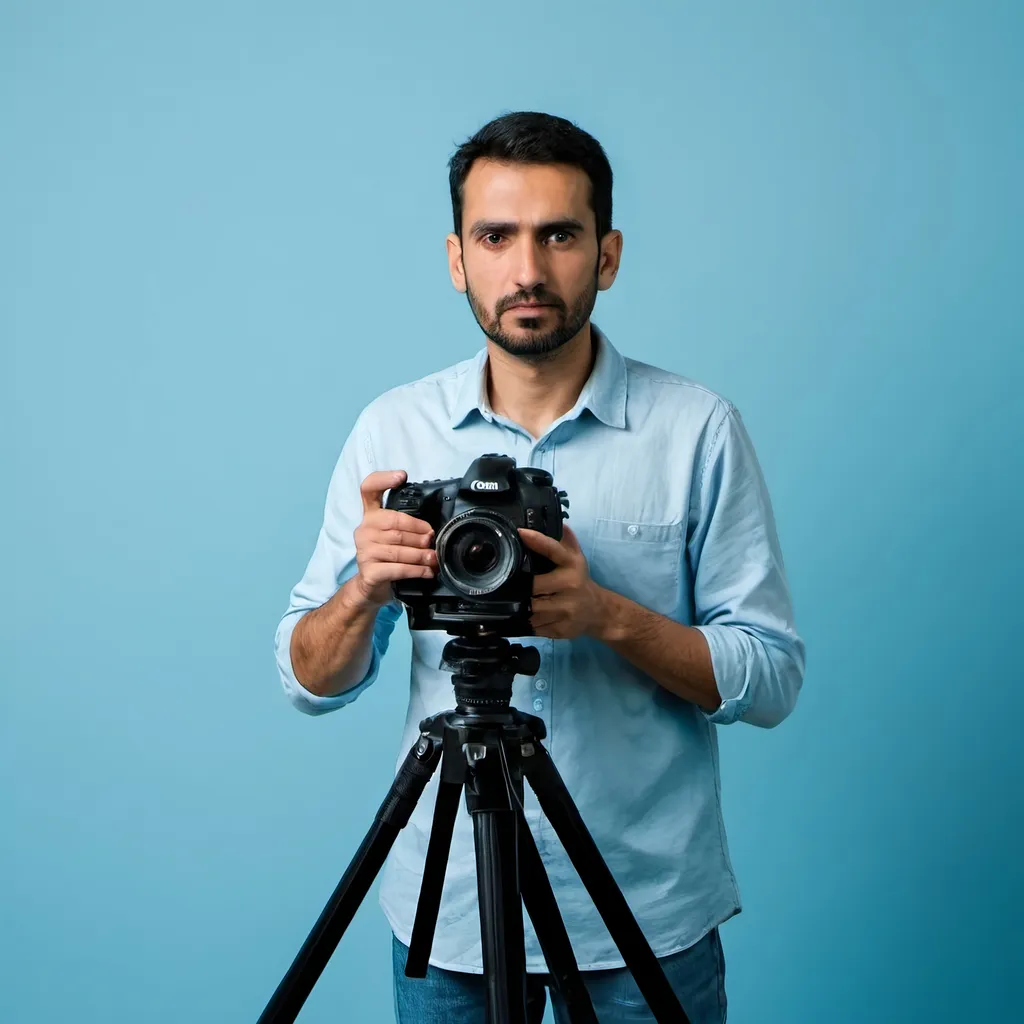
(742, 601)
(332, 563)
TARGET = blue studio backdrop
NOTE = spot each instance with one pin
(222, 233)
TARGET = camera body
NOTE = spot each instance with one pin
(485, 572)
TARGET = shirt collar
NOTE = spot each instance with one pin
(604, 393)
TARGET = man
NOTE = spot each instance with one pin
(666, 615)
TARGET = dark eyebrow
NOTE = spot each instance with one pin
(508, 227)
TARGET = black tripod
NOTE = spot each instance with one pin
(489, 747)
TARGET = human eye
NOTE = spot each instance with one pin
(561, 237)
(491, 239)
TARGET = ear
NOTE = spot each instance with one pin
(456, 270)
(610, 255)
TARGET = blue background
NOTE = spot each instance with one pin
(222, 233)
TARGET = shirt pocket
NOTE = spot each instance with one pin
(639, 560)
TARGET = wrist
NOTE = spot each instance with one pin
(354, 597)
(606, 625)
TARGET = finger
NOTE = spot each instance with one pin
(543, 621)
(403, 538)
(391, 519)
(381, 572)
(372, 489)
(398, 553)
(412, 533)
(550, 582)
(545, 545)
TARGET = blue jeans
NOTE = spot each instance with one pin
(697, 976)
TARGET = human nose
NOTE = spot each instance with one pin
(530, 270)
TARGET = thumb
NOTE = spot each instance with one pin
(372, 488)
(569, 539)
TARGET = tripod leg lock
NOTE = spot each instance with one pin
(412, 777)
(474, 752)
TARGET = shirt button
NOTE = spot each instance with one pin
(633, 530)
(538, 705)
(541, 684)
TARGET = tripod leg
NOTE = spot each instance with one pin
(501, 916)
(497, 875)
(565, 819)
(446, 808)
(392, 817)
(547, 922)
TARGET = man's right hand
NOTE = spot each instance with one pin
(390, 545)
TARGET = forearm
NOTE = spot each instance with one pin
(675, 656)
(331, 646)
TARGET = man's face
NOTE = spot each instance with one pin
(529, 237)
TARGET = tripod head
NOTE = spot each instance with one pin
(483, 667)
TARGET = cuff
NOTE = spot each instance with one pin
(303, 699)
(732, 675)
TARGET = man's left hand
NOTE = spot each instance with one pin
(566, 601)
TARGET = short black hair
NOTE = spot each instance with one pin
(529, 137)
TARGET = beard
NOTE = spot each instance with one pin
(539, 342)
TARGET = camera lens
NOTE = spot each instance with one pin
(479, 556)
(478, 552)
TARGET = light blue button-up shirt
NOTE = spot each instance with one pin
(671, 510)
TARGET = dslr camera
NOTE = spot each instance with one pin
(484, 579)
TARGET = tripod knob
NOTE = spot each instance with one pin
(525, 659)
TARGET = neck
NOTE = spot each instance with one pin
(535, 391)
